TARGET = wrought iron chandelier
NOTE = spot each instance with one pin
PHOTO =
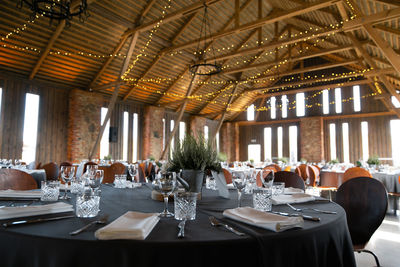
(57, 9)
(205, 66)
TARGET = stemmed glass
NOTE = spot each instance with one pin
(67, 174)
(132, 171)
(239, 182)
(96, 179)
(267, 178)
(165, 183)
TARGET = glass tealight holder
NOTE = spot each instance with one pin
(50, 190)
(262, 199)
(185, 205)
(87, 204)
(120, 181)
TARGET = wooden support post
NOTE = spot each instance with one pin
(180, 115)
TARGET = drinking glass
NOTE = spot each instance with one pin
(120, 181)
(262, 199)
(132, 171)
(87, 204)
(239, 182)
(96, 179)
(267, 178)
(67, 174)
(185, 205)
(278, 188)
(50, 190)
(165, 184)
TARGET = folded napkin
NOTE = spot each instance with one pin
(295, 198)
(292, 190)
(19, 194)
(131, 225)
(270, 221)
(16, 212)
(130, 184)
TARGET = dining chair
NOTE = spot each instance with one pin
(38, 166)
(290, 179)
(287, 169)
(313, 175)
(355, 172)
(142, 172)
(365, 201)
(303, 171)
(16, 180)
(227, 175)
(88, 164)
(65, 163)
(275, 166)
(51, 170)
(266, 171)
(110, 172)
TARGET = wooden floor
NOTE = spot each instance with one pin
(385, 243)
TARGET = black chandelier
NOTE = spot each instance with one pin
(205, 66)
(57, 9)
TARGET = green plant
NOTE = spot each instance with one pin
(222, 156)
(373, 160)
(152, 158)
(252, 161)
(283, 160)
(358, 163)
(107, 157)
(194, 154)
(334, 161)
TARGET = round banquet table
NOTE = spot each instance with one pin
(324, 243)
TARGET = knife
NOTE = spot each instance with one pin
(36, 220)
(305, 217)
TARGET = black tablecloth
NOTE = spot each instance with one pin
(326, 243)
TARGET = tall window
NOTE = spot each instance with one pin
(356, 98)
(338, 100)
(300, 104)
(394, 133)
(272, 102)
(293, 143)
(267, 144)
(284, 100)
(250, 113)
(346, 147)
(217, 141)
(30, 127)
(364, 140)
(1, 94)
(332, 140)
(171, 147)
(206, 132)
(125, 136)
(164, 133)
(325, 101)
(280, 142)
(182, 131)
(254, 153)
(104, 143)
(395, 102)
(135, 137)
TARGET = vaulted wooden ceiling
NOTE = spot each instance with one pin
(262, 46)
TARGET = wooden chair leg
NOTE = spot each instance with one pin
(370, 252)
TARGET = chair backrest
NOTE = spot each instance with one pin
(303, 171)
(365, 202)
(228, 176)
(142, 172)
(290, 179)
(313, 173)
(275, 166)
(38, 166)
(87, 164)
(115, 168)
(16, 180)
(355, 172)
(266, 171)
(65, 163)
(51, 170)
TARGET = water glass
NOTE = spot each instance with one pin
(185, 205)
(262, 199)
(120, 181)
(50, 190)
(278, 188)
(77, 186)
(87, 204)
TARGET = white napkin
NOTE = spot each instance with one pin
(15, 212)
(20, 194)
(230, 186)
(221, 184)
(130, 184)
(131, 225)
(295, 198)
(292, 190)
(270, 221)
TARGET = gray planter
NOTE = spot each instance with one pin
(194, 178)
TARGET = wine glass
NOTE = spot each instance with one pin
(132, 171)
(96, 179)
(165, 183)
(239, 182)
(267, 178)
(67, 174)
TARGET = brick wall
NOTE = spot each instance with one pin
(312, 139)
(83, 123)
(197, 125)
(229, 138)
(152, 134)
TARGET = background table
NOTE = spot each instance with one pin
(326, 243)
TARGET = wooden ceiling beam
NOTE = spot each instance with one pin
(279, 16)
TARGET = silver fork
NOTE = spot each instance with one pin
(316, 210)
(215, 222)
(102, 220)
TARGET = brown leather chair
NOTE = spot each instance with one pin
(115, 168)
(365, 202)
(313, 173)
(275, 167)
(38, 166)
(266, 171)
(228, 176)
(65, 163)
(142, 172)
(355, 172)
(303, 171)
(89, 163)
(16, 180)
(290, 179)
(51, 170)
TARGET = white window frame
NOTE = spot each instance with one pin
(338, 100)
(31, 122)
(300, 105)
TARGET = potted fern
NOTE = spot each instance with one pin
(193, 156)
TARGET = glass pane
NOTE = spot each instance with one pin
(171, 147)
(125, 136)
(364, 139)
(338, 100)
(182, 131)
(356, 98)
(293, 143)
(104, 143)
(332, 140)
(395, 102)
(394, 133)
(164, 133)
(135, 137)
(346, 148)
(267, 144)
(206, 132)
(217, 141)
(284, 106)
(273, 107)
(30, 127)
(300, 104)
(325, 101)
(280, 140)
(254, 153)
(250, 113)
